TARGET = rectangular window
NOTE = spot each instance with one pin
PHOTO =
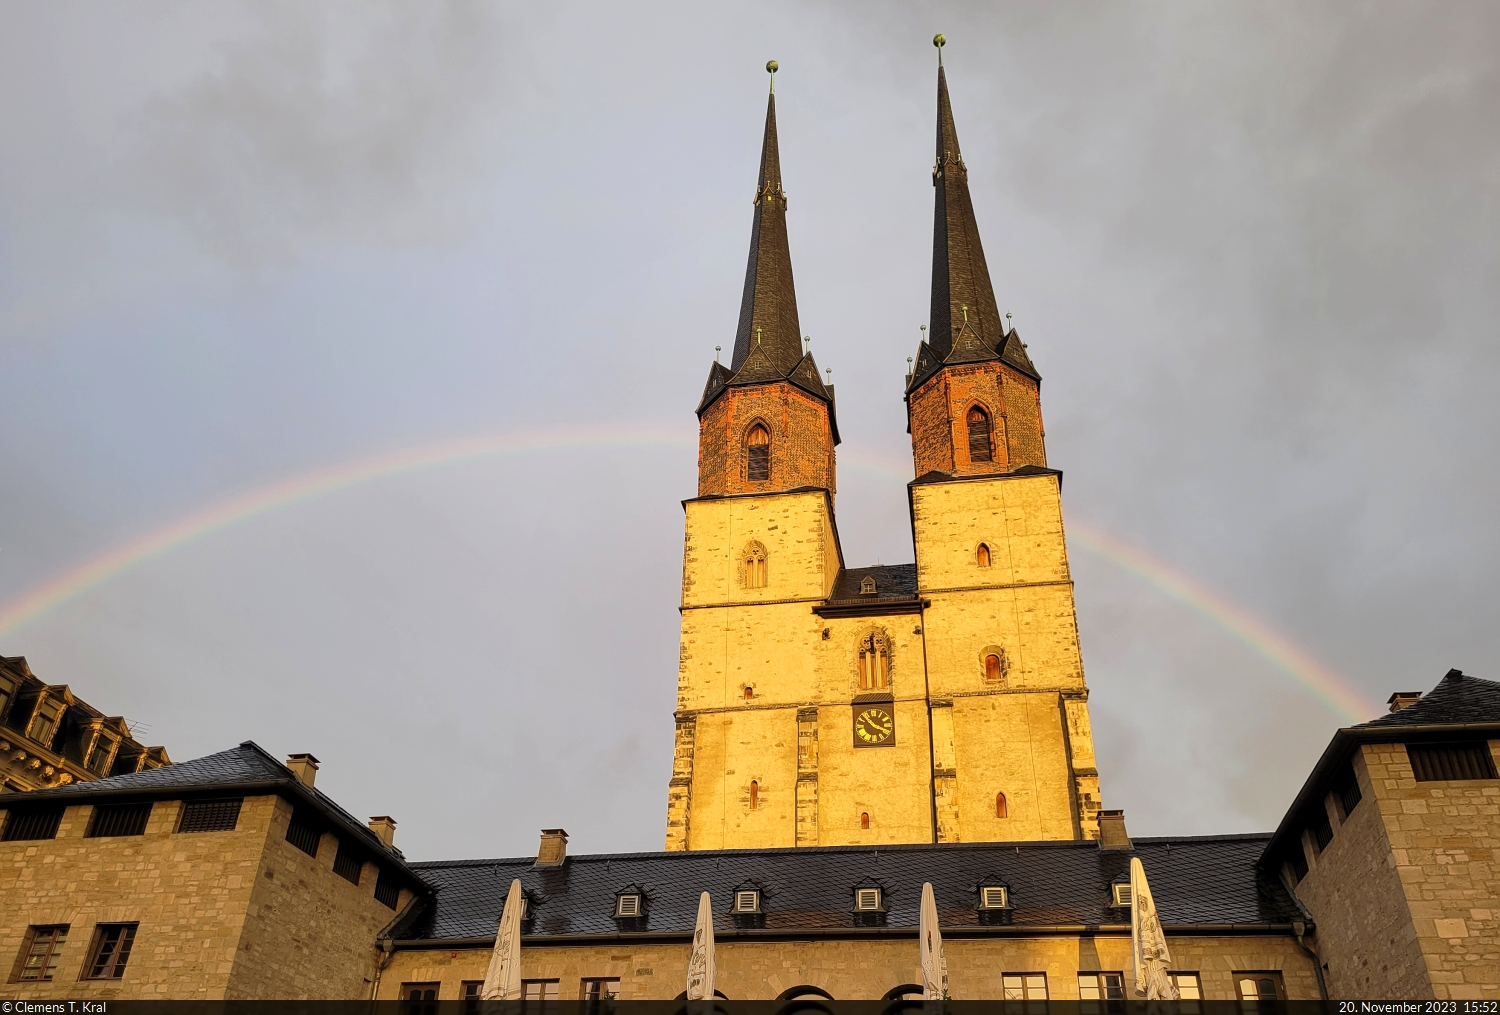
(41, 951)
(111, 950)
(387, 890)
(44, 723)
(1348, 792)
(600, 988)
(747, 901)
(1260, 986)
(304, 833)
(118, 819)
(1321, 827)
(1189, 992)
(209, 815)
(348, 863)
(760, 462)
(867, 899)
(994, 897)
(627, 905)
(472, 991)
(1445, 762)
(32, 823)
(7, 691)
(1025, 987)
(1120, 896)
(538, 991)
(99, 755)
(419, 998)
(1101, 992)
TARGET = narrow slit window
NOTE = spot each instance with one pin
(754, 794)
(982, 556)
(749, 692)
(993, 671)
(864, 819)
(758, 454)
(1002, 809)
(979, 436)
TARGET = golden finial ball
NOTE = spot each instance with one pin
(771, 65)
(939, 40)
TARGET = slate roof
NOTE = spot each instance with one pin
(246, 768)
(1196, 881)
(1460, 707)
(892, 581)
(1457, 699)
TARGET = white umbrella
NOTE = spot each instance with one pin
(930, 942)
(502, 982)
(1148, 944)
(700, 977)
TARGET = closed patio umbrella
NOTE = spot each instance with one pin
(1148, 943)
(700, 974)
(502, 982)
(930, 941)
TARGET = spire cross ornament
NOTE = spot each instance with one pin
(939, 41)
(717, 350)
(807, 341)
(924, 333)
(829, 371)
(1008, 326)
(771, 67)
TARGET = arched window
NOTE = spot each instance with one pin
(754, 794)
(1001, 811)
(755, 566)
(982, 556)
(874, 662)
(864, 819)
(979, 435)
(758, 454)
(994, 669)
(749, 692)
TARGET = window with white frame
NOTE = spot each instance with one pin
(867, 900)
(1024, 986)
(747, 900)
(994, 897)
(628, 905)
(1121, 895)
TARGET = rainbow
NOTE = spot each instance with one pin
(1333, 690)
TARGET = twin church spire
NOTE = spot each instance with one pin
(793, 405)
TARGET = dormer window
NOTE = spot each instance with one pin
(994, 897)
(627, 906)
(867, 900)
(44, 724)
(525, 908)
(867, 586)
(747, 900)
(99, 756)
(1121, 896)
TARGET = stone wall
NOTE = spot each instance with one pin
(801, 440)
(862, 968)
(1407, 893)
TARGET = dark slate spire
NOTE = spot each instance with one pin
(768, 309)
(960, 277)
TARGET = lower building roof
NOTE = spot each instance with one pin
(1196, 881)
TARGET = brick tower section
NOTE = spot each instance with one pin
(801, 441)
(939, 414)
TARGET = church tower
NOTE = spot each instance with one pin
(1012, 742)
(940, 701)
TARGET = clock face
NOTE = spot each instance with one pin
(873, 726)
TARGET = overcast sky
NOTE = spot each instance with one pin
(1252, 249)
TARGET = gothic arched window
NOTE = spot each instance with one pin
(874, 662)
(754, 560)
(758, 454)
(982, 556)
(1001, 810)
(979, 435)
(993, 668)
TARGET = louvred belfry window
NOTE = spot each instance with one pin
(979, 435)
(758, 454)
(874, 662)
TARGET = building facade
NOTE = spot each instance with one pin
(49, 737)
(940, 701)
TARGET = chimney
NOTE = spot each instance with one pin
(384, 827)
(304, 767)
(1403, 699)
(554, 848)
(1112, 834)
